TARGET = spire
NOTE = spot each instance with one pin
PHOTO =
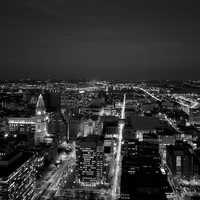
(40, 107)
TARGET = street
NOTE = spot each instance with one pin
(50, 183)
(116, 177)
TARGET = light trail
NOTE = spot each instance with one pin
(194, 103)
(118, 156)
(51, 185)
(145, 91)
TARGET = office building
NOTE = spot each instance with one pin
(141, 168)
(90, 161)
(17, 175)
(34, 128)
(180, 159)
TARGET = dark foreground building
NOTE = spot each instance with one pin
(141, 177)
(181, 159)
(17, 176)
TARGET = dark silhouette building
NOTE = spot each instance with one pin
(180, 159)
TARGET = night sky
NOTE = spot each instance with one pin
(73, 39)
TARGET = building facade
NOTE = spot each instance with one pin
(90, 161)
(17, 176)
(35, 128)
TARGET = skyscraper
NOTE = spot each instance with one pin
(41, 120)
(36, 126)
(90, 161)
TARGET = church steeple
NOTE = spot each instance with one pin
(40, 107)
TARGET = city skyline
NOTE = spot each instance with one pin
(99, 100)
(99, 40)
(99, 140)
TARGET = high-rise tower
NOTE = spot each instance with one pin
(41, 130)
(90, 160)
